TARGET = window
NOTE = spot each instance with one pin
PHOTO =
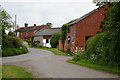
(69, 30)
(47, 40)
(68, 39)
(87, 37)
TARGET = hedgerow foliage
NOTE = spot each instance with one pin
(10, 44)
(54, 39)
(104, 47)
(11, 34)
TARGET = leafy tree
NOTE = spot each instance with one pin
(100, 3)
(112, 20)
(4, 20)
(49, 24)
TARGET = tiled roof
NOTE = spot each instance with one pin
(84, 16)
(30, 28)
(47, 31)
(39, 27)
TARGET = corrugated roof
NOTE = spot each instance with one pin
(84, 16)
(50, 31)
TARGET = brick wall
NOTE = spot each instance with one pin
(27, 34)
(85, 28)
(60, 46)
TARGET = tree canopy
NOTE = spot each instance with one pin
(49, 24)
(4, 20)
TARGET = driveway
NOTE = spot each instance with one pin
(44, 64)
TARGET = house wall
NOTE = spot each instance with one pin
(39, 38)
(44, 40)
(86, 27)
(27, 34)
(60, 46)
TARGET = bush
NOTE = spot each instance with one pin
(68, 52)
(54, 39)
(14, 51)
(11, 34)
(79, 56)
(103, 48)
(11, 42)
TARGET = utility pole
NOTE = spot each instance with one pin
(15, 22)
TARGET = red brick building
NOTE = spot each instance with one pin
(27, 31)
(82, 29)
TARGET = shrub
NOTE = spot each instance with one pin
(103, 48)
(13, 51)
(54, 39)
(11, 42)
(68, 52)
(79, 56)
(11, 34)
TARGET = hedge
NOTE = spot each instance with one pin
(11, 42)
(14, 51)
(103, 48)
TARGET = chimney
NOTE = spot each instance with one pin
(26, 24)
(35, 25)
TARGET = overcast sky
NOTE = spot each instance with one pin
(58, 12)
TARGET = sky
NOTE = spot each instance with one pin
(57, 12)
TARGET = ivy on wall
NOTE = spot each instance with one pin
(65, 31)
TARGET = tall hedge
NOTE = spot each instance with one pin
(11, 42)
(104, 48)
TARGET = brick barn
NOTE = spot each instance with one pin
(82, 29)
(26, 32)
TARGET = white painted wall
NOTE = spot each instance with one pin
(39, 38)
(46, 44)
(17, 34)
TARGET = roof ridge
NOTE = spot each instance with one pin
(84, 16)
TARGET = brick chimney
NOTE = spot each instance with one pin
(26, 24)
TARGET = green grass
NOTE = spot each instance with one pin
(54, 50)
(12, 71)
(86, 63)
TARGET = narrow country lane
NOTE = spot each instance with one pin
(44, 64)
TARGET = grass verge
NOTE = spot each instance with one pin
(86, 63)
(12, 71)
(54, 50)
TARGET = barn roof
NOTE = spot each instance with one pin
(50, 31)
(84, 16)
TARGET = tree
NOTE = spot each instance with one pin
(112, 18)
(100, 3)
(49, 24)
(4, 20)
